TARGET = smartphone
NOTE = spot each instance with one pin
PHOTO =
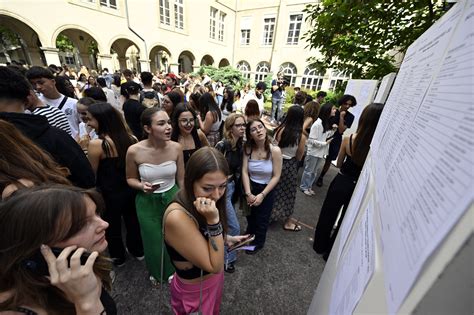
(157, 184)
(242, 243)
(37, 264)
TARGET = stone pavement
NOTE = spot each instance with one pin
(280, 279)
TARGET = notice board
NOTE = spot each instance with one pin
(405, 244)
(364, 92)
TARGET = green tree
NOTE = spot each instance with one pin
(361, 37)
(227, 75)
(63, 43)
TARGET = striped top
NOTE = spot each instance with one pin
(55, 117)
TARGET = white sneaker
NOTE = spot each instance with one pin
(307, 192)
(312, 192)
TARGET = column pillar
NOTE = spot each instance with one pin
(196, 68)
(144, 64)
(52, 55)
(35, 56)
(105, 61)
(122, 62)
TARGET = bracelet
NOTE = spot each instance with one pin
(247, 194)
(214, 230)
(263, 194)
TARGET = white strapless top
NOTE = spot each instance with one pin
(164, 172)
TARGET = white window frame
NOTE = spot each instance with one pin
(244, 37)
(312, 80)
(262, 71)
(107, 4)
(244, 67)
(268, 30)
(165, 12)
(212, 22)
(289, 69)
(294, 29)
(222, 16)
(179, 14)
(337, 78)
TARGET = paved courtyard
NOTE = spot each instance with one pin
(280, 279)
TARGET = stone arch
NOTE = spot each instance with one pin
(244, 67)
(207, 60)
(26, 47)
(86, 46)
(261, 71)
(289, 70)
(186, 61)
(160, 58)
(126, 53)
(224, 63)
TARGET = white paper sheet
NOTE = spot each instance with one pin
(354, 207)
(428, 177)
(355, 268)
(422, 61)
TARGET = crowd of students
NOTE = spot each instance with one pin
(169, 157)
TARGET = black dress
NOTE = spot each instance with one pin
(339, 195)
(119, 202)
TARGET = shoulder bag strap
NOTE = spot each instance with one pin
(61, 105)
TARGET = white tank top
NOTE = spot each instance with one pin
(260, 171)
(164, 172)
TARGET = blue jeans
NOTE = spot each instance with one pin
(232, 221)
(277, 103)
(312, 166)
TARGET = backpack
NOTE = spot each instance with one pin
(149, 99)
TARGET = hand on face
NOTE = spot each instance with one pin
(207, 207)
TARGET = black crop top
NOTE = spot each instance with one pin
(192, 273)
(349, 168)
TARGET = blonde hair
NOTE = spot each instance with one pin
(228, 124)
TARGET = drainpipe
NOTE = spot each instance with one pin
(130, 28)
(275, 33)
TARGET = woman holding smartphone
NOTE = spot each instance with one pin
(261, 170)
(107, 157)
(194, 227)
(350, 160)
(320, 136)
(32, 222)
(153, 167)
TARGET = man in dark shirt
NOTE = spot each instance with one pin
(133, 109)
(343, 119)
(14, 91)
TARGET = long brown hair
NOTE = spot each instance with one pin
(111, 124)
(251, 144)
(365, 131)
(311, 109)
(34, 216)
(203, 161)
(21, 158)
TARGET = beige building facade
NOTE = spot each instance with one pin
(259, 37)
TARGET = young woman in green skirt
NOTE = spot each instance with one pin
(154, 167)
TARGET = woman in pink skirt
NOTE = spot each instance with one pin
(194, 227)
